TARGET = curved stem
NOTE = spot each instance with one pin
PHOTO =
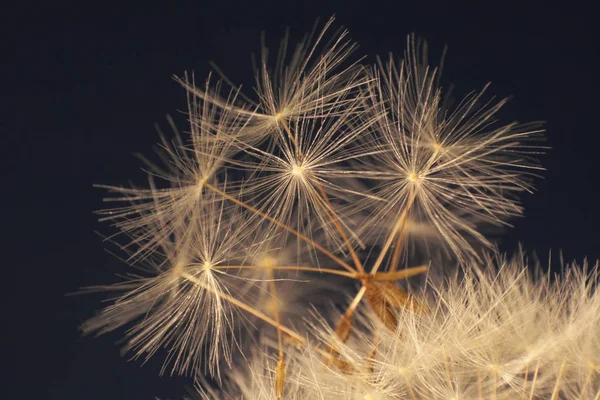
(336, 222)
(535, 375)
(351, 275)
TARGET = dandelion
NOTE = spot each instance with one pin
(184, 301)
(443, 163)
(311, 84)
(314, 193)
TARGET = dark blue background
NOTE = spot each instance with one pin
(84, 86)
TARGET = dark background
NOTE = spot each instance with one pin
(83, 88)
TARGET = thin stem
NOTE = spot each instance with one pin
(245, 307)
(394, 276)
(273, 291)
(352, 307)
(281, 225)
(397, 250)
(398, 227)
(352, 275)
(356, 300)
(400, 241)
(382, 276)
(249, 309)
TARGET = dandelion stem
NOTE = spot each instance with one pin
(245, 307)
(273, 291)
(352, 275)
(410, 391)
(394, 276)
(398, 248)
(397, 251)
(448, 370)
(398, 227)
(281, 225)
(356, 300)
(335, 219)
(280, 378)
(350, 310)
(249, 309)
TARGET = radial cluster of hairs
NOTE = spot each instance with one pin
(270, 252)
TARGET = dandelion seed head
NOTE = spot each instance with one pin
(320, 144)
(267, 261)
(458, 158)
(297, 170)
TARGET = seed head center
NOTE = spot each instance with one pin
(297, 170)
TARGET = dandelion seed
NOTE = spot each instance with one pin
(183, 306)
(239, 223)
(452, 161)
(311, 84)
(303, 183)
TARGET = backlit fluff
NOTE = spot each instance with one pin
(495, 331)
(442, 162)
(321, 191)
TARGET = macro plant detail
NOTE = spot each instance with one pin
(270, 209)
